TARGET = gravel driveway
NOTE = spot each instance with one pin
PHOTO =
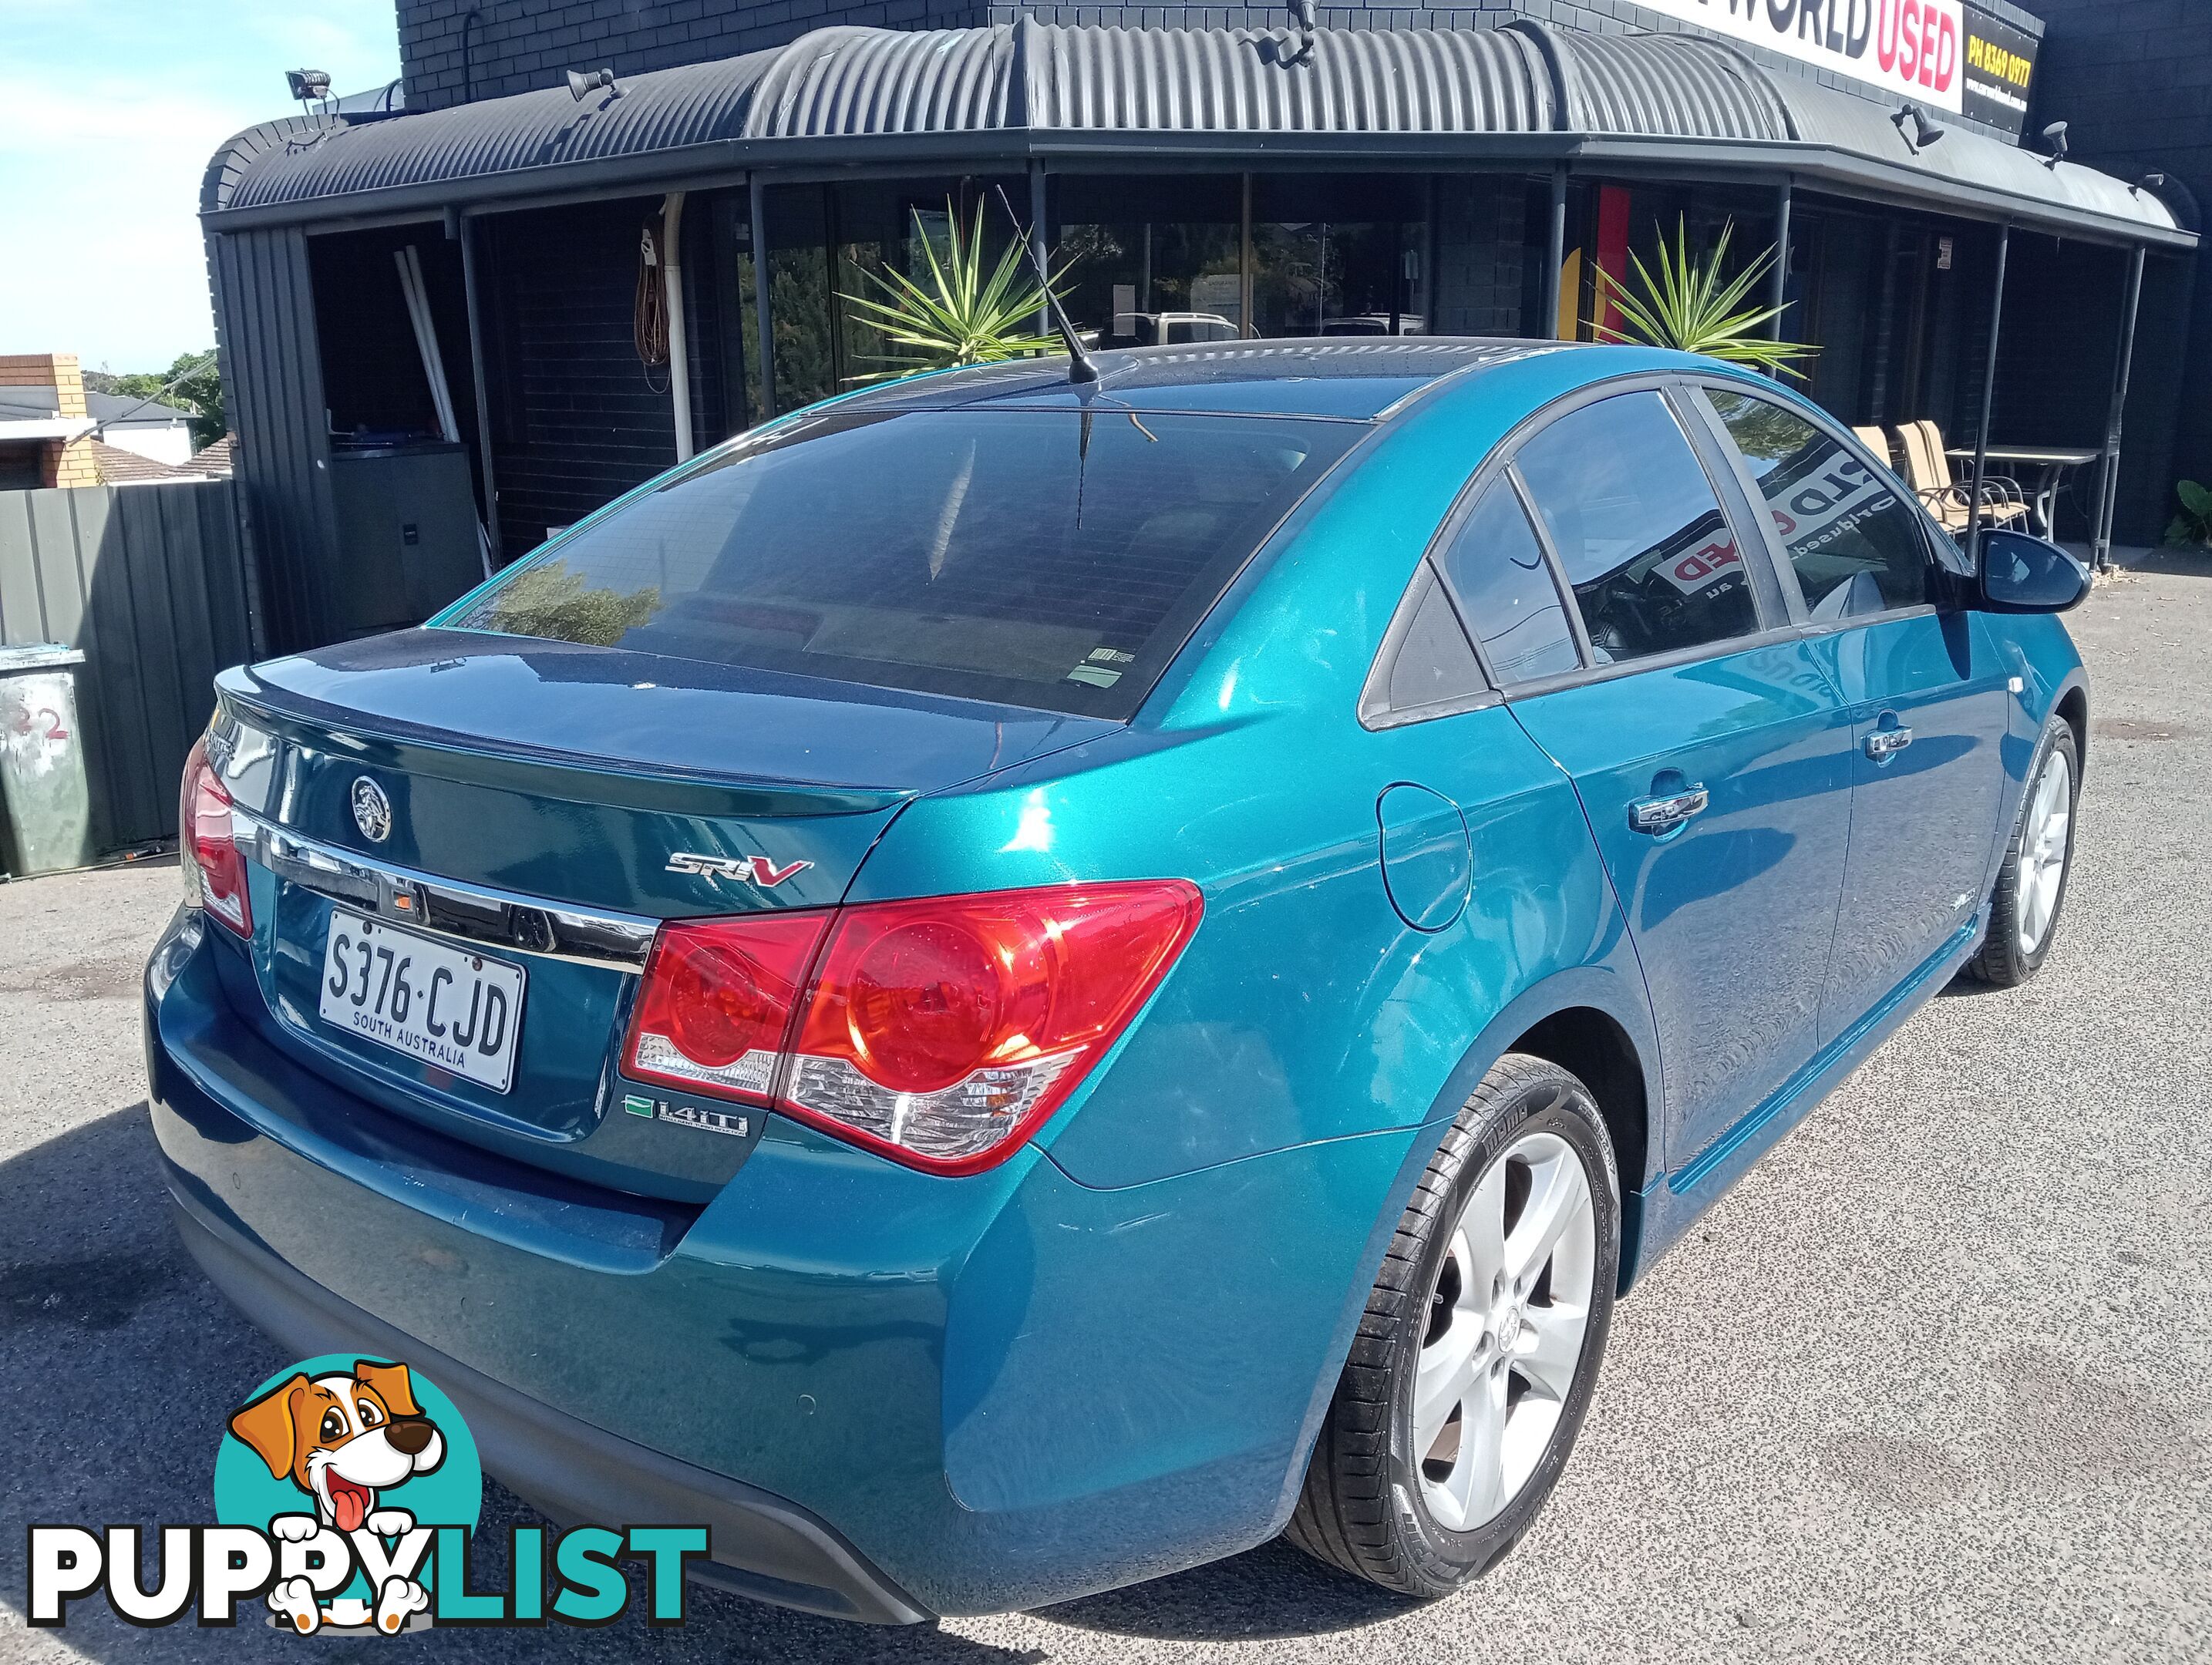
(1934, 1382)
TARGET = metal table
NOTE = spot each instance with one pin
(2055, 462)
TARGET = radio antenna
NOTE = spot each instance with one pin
(1080, 370)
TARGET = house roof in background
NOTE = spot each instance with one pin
(1525, 93)
(28, 404)
(215, 461)
(119, 467)
(112, 410)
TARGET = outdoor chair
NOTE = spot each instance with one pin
(1927, 470)
(1875, 440)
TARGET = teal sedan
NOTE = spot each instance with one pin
(1008, 984)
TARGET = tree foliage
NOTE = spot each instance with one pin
(552, 601)
(192, 384)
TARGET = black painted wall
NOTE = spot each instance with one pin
(2133, 80)
(577, 418)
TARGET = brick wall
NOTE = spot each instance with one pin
(70, 464)
(59, 378)
(1481, 255)
(58, 371)
(450, 49)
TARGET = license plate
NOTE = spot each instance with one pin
(458, 1011)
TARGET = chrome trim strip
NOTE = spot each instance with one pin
(472, 915)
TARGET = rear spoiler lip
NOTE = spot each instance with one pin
(544, 772)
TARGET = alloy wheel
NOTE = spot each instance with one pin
(2044, 842)
(1505, 1329)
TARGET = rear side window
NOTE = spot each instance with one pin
(1854, 544)
(1434, 665)
(1647, 550)
(1044, 558)
(1497, 570)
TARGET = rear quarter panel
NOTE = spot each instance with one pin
(1305, 1008)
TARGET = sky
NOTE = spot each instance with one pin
(109, 111)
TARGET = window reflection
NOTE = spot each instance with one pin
(1653, 563)
(1323, 277)
(1153, 262)
(1506, 591)
(1854, 546)
(1165, 261)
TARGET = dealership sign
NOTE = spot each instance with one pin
(2000, 63)
(1914, 48)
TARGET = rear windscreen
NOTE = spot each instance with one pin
(1033, 558)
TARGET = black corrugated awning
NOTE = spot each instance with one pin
(1076, 97)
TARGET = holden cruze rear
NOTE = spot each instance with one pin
(746, 1003)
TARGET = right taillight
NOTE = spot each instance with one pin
(207, 848)
(941, 1032)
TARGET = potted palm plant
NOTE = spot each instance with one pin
(957, 313)
(1687, 304)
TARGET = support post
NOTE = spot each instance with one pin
(1778, 287)
(1989, 399)
(761, 308)
(1244, 262)
(471, 299)
(1038, 254)
(1556, 256)
(2108, 481)
(1429, 241)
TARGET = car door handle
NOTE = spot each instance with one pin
(1663, 815)
(1885, 742)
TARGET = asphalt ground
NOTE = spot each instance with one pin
(1934, 1382)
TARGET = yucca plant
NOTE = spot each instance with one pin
(960, 316)
(1687, 305)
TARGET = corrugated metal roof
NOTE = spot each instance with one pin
(1242, 80)
(855, 82)
(1964, 159)
(668, 110)
(991, 95)
(1671, 86)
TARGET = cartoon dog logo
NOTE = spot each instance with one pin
(343, 1440)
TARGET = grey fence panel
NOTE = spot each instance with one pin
(23, 615)
(151, 582)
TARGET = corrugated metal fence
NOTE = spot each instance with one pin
(153, 583)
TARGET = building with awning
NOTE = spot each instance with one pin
(452, 329)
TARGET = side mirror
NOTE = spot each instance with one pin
(2024, 575)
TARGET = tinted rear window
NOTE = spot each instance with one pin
(1033, 558)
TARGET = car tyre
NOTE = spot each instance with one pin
(1475, 1360)
(2031, 887)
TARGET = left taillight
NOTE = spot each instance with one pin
(207, 849)
(940, 1032)
(717, 1001)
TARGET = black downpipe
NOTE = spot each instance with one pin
(470, 18)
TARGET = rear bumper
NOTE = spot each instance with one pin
(891, 1393)
(760, 1544)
